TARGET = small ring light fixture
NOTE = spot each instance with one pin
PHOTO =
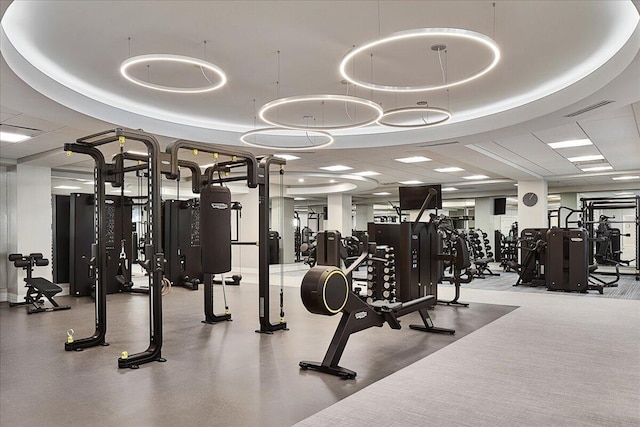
(135, 60)
(408, 110)
(287, 133)
(421, 32)
(264, 110)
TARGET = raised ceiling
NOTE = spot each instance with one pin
(556, 58)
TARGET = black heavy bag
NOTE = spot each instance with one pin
(215, 229)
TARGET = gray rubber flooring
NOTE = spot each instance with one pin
(219, 375)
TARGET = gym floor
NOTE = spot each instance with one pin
(227, 375)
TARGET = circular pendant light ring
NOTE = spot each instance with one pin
(416, 33)
(287, 132)
(264, 110)
(161, 57)
(399, 111)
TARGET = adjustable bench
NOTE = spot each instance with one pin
(37, 287)
(326, 290)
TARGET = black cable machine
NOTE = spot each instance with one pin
(181, 233)
(589, 207)
(257, 175)
(103, 173)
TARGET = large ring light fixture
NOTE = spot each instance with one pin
(128, 63)
(400, 111)
(330, 98)
(244, 138)
(421, 32)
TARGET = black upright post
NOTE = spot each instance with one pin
(98, 260)
(266, 327)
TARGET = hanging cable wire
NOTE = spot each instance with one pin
(205, 58)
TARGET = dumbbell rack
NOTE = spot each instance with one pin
(381, 275)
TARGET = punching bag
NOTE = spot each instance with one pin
(215, 229)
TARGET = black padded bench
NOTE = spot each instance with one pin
(37, 287)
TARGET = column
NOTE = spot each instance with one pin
(282, 222)
(569, 200)
(532, 209)
(339, 213)
(29, 221)
(245, 258)
(484, 216)
(364, 215)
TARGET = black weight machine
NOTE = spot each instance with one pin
(327, 290)
(181, 233)
(257, 175)
(533, 249)
(37, 287)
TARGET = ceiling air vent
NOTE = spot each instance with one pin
(439, 144)
(589, 108)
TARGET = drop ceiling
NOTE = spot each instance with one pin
(69, 86)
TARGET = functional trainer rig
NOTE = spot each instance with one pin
(104, 173)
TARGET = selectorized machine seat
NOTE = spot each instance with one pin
(37, 287)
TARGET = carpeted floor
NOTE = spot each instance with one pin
(558, 360)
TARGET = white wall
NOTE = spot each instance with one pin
(33, 220)
(245, 258)
(8, 242)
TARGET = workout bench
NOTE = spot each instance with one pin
(326, 290)
(37, 287)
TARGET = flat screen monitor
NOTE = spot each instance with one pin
(500, 206)
(412, 198)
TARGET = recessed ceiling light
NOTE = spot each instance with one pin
(475, 177)
(449, 189)
(414, 159)
(67, 187)
(571, 143)
(286, 156)
(367, 173)
(336, 168)
(118, 191)
(625, 177)
(413, 182)
(332, 181)
(597, 168)
(299, 198)
(12, 137)
(452, 169)
(553, 196)
(586, 158)
(512, 200)
(300, 179)
(88, 182)
(382, 193)
(624, 193)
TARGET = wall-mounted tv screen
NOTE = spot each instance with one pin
(412, 198)
(500, 206)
